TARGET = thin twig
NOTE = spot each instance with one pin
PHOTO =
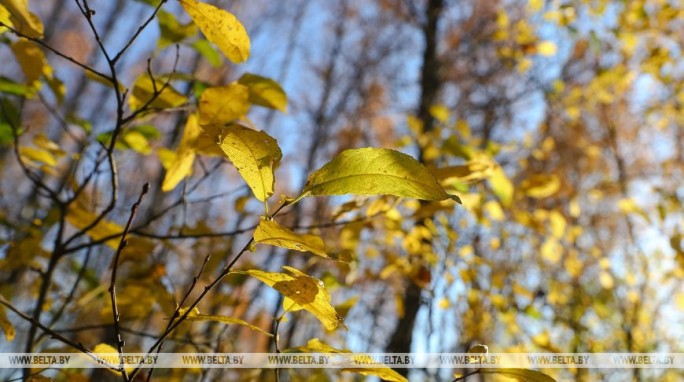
(224, 272)
(179, 305)
(137, 33)
(57, 336)
(112, 286)
(55, 51)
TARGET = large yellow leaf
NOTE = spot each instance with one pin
(255, 154)
(144, 89)
(6, 325)
(185, 156)
(303, 292)
(520, 374)
(375, 171)
(22, 19)
(223, 104)
(221, 28)
(264, 92)
(195, 315)
(270, 232)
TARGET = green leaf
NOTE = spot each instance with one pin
(195, 316)
(221, 28)
(272, 233)
(223, 104)
(207, 51)
(264, 92)
(301, 291)
(375, 171)
(144, 89)
(10, 87)
(171, 30)
(523, 375)
(255, 154)
(9, 118)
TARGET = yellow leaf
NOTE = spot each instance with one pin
(195, 316)
(472, 171)
(375, 171)
(606, 280)
(384, 373)
(6, 325)
(185, 156)
(264, 92)
(541, 185)
(109, 354)
(32, 61)
(22, 19)
(551, 250)
(316, 346)
(144, 89)
(303, 290)
(679, 300)
(221, 28)
(501, 186)
(136, 141)
(558, 224)
(79, 217)
(547, 48)
(34, 154)
(4, 18)
(272, 233)
(223, 104)
(493, 208)
(629, 206)
(522, 375)
(255, 154)
(440, 113)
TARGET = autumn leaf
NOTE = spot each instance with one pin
(23, 20)
(270, 232)
(144, 89)
(181, 164)
(195, 316)
(522, 375)
(375, 171)
(302, 292)
(501, 186)
(255, 154)
(6, 325)
(264, 92)
(223, 104)
(221, 28)
(383, 372)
